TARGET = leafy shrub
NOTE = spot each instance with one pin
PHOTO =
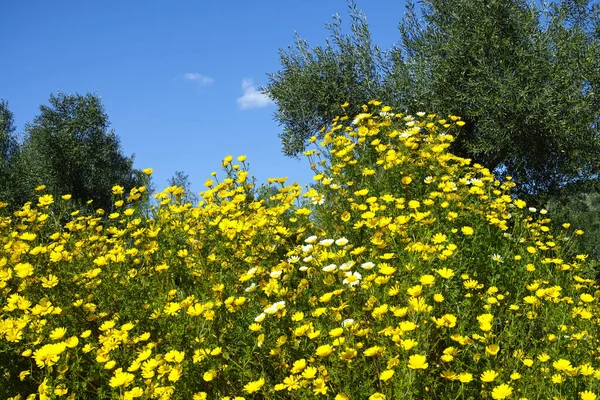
(404, 272)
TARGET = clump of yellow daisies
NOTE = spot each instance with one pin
(403, 272)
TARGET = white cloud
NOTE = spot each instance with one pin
(200, 79)
(252, 98)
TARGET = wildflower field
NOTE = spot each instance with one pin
(405, 272)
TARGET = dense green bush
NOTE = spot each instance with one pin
(405, 272)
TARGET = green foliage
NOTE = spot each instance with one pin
(70, 149)
(405, 272)
(7, 128)
(9, 147)
(524, 78)
(583, 211)
(314, 82)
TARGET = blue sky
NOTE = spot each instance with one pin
(178, 79)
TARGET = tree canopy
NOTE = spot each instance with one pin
(524, 77)
(8, 149)
(69, 148)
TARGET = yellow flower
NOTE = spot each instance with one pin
(107, 325)
(291, 382)
(368, 172)
(519, 203)
(227, 160)
(23, 270)
(127, 327)
(415, 291)
(467, 230)
(528, 362)
(586, 298)
(121, 379)
(324, 350)
(171, 356)
(439, 238)
(299, 365)
(61, 389)
(28, 236)
(386, 375)
(492, 349)
(348, 354)
(414, 204)
(543, 357)
(489, 376)
(254, 386)
(72, 342)
(385, 269)
(485, 321)
(449, 320)
(253, 327)
(427, 280)
(372, 351)
(134, 393)
(586, 370)
(87, 348)
(417, 361)
(445, 273)
(172, 308)
(470, 284)
(148, 171)
(298, 316)
(209, 375)
(58, 333)
(408, 344)
(309, 373)
(407, 326)
(562, 365)
(377, 396)
(50, 281)
(502, 392)
(587, 395)
(449, 375)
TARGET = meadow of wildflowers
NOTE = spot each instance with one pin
(405, 272)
